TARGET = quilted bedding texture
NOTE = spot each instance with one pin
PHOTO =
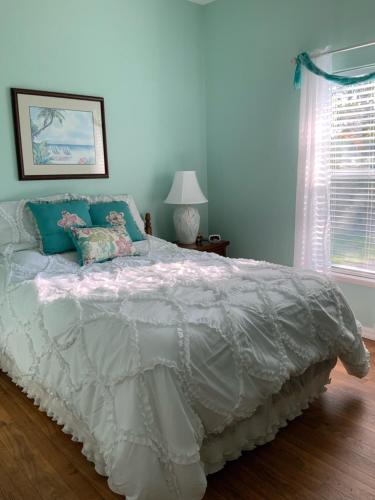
(144, 359)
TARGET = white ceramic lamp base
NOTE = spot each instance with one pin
(186, 222)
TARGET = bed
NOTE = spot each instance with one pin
(166, 365)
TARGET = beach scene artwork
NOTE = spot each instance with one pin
(62, 136)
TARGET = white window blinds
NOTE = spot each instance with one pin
(351, 166)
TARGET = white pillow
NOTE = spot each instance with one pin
(12, 228)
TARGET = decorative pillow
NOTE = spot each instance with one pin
(18, 229)
(99, 244)
(116, 213)
(28, 218)
(127, 198)
(54, 221)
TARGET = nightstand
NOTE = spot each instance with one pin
(219, 247)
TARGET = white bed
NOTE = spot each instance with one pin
(169, 364)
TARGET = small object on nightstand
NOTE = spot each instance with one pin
(219, 247)
(199, 239)
(214, 237)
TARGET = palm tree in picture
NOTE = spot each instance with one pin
(45, 118)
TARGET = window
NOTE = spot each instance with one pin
(335, 212)
(352, 179)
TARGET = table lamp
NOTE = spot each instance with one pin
(186, 191)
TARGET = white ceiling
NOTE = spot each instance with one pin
(202, 2)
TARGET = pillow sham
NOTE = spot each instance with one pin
(54, 221)
(115, 213)
(99, 244)
(12, 229)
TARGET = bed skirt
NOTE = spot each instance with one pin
(294, 397)
(216, 450)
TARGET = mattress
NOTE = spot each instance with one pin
(168, 364)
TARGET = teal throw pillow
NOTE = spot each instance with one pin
(116, 213)
(54, 221)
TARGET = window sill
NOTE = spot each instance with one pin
(352, 279)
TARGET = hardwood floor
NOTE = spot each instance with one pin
(327, 453)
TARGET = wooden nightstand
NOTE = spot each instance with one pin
(219, 247)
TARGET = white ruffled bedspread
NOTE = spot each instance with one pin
(145, 359)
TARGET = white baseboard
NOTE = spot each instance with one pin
(368, 333)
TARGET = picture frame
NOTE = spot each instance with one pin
(59, 135)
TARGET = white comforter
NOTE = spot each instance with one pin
(142, 358)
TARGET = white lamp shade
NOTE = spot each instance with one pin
(185, 189)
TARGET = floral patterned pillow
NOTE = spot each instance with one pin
(99, 244)
(115, 213)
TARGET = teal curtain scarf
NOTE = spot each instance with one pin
(303, 59)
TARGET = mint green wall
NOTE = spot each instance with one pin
(252, 117)
(144, 57)
(161, 65)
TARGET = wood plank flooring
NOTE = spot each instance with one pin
(327, 453)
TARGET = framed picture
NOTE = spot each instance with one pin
(59, 136)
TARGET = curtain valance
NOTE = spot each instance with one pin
(303, 59)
